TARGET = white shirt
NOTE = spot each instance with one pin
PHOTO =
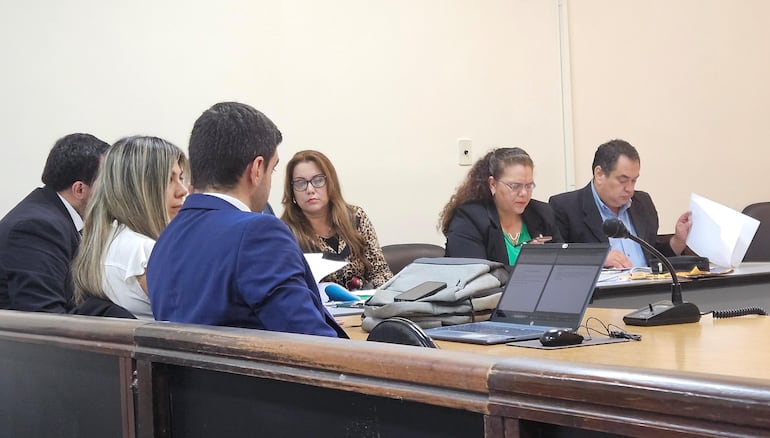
(125, 259)
(231, 199)
(76, 219)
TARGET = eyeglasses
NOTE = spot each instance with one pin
(516, 187)
(300, 184)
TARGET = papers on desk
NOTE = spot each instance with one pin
(613, 274)
(321, 267)
(713, 272)
(719, 232)
(340, 301)
(345, 310)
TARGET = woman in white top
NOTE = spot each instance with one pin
(140, 188)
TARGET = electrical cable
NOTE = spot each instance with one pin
(732, 313)
(610, 330)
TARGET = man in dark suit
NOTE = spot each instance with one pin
(217, 262)
(611, 194)
(40, 236)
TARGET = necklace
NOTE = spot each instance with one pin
(514, 240)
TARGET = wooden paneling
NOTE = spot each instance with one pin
(388, 370)
(206, 403)
(692, 379)
(628, 400)
(65, 376)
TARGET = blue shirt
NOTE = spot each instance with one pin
(631, 249)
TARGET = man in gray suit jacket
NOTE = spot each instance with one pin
(40, 236)
(611, 194)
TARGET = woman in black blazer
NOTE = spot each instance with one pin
(492, 213)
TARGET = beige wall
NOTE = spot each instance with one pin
(386, 88)
(686, 82)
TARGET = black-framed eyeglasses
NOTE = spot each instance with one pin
(300, 184)
(516, 187)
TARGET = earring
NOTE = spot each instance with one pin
(294, 200)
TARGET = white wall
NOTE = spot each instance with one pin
(385, 88)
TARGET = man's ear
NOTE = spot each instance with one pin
(79, 190)
(598, 172)
(257, 170)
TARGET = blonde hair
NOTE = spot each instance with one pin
(341, 213)
(130, 189)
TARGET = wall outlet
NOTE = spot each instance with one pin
(464, 151)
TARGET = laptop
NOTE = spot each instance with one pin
(550, 287)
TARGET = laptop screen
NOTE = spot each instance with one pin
(551, 284)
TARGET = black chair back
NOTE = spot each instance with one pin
(401, 254)
(759, 249)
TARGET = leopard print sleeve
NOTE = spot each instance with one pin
(379, 272)
(372, 277)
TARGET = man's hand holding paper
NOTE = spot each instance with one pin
(719, 232)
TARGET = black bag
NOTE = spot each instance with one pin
(684, 263)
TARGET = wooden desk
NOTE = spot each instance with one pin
(748, 286)
(736, 347)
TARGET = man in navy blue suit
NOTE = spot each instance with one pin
(40, 236)
(218, 262)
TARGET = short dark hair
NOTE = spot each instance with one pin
(607, 155)
(225, 139)
(74, 157)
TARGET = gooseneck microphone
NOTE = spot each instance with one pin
(663, 312)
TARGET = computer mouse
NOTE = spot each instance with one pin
(560, 337)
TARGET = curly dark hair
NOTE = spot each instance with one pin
(475, 186)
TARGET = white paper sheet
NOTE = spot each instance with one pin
(321, 267)
(719, 232)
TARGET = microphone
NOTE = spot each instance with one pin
(663, 312)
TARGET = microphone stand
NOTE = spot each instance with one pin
(663, 312)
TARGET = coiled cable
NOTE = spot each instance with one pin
(732, 313)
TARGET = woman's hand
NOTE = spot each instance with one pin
(540, 239)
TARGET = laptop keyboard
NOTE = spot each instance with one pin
(499, 329)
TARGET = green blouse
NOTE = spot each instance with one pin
(514, 246)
